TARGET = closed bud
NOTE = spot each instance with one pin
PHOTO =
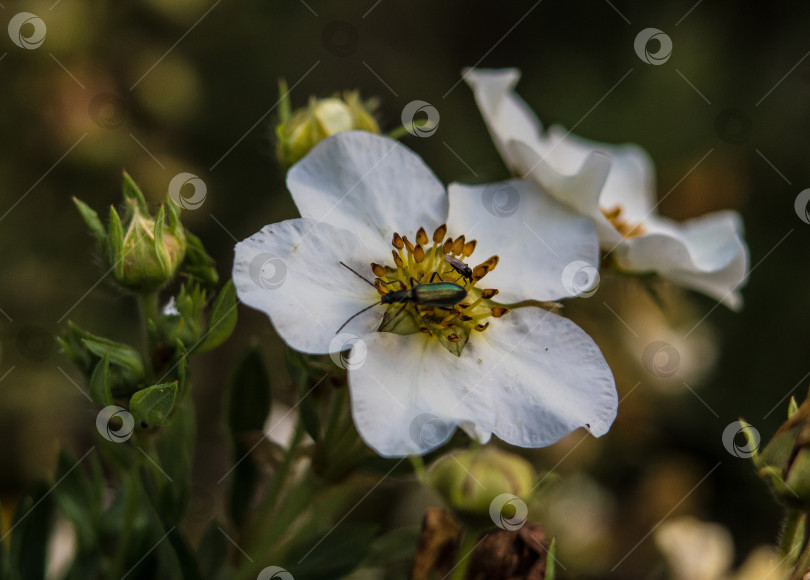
(784, 463)
(150, 252)
(470, 480)
(301, 130)
(144, 251)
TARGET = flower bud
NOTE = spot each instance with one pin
(784, 463)
(299, 132)
(470, 480)
(144, 251)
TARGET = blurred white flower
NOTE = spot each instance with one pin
(615, 186)
(525, 375)
(696, 550)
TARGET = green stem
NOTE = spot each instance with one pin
(133, 489)
(147, 306)
(419, 468)
(466, 546)
(802, 565)
(276, 487)
(338, 403)
(265, 528)
(792, 539)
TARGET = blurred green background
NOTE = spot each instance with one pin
(162, 87)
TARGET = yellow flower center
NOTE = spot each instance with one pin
(625, 228)
(436, 273)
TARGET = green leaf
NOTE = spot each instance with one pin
(792, 407)
(119, 354)
(337, 555)
(175, 449)
(30, 533)
(161, 252)
(183, 372)
(185, 556)
(132, 191)
(248, 408)
(301, 372)
(76, 352)
(551, 560)
(285, 107)
(244, 479)
(150, 407)
(92, 220)
(78, 498)
(249, 400)
(394, 547)
(99, 388)
(198, 264)
(222, 320)
(212, 553)
(173, 211)
(115, 243)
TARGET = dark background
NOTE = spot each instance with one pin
(203, 102)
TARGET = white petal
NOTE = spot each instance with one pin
(580, 190)
(566, 165)
(370, 185)
(707, 254)
(535, 236)
(530, 379)
(548, 378)
(291, 271)
(410, 394)
(506, 115)
(631, 183)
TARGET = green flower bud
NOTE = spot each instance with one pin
(784, 463)
(144, 251)
(299, 132)
(470, 481)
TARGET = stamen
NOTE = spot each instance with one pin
(625, 228)
(469, 248)
(458, 245)
(408, 244)
(397, 259)
(425, 262)
(479, 272)
(421, 237)
(439, 234)
(498, 311)
(419, 253)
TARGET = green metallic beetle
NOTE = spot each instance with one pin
(433, 294)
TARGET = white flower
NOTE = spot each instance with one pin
(615, 186)
(526, 375)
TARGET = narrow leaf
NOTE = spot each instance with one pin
(132, 191)
(222, 320)
(115, 243)
(119, 354)
(150, 407)
(91, 219)
(248, 408)
(100, 390)
(249, 400)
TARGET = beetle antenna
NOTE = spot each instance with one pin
(353, 316)
(359, 276)
(393, 317)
